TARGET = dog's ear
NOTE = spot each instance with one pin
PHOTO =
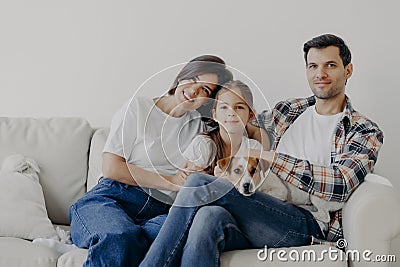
(224, 163)
(253, 160)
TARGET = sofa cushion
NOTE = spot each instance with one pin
(74, 258)
(60, 146)
(15, 252)
(95, 157)
(22, 207)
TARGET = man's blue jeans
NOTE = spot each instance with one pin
(202, 224)
(117, 222)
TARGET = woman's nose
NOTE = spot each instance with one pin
(193, 91)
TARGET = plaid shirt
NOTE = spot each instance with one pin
(354, 152)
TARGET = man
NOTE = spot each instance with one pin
(320, 144)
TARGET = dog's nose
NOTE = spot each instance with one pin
(246, 187)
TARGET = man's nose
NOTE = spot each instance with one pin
(320, 73)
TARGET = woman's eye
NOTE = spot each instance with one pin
(206, 90)
(237, 171)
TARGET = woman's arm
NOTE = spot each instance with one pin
(116, 168)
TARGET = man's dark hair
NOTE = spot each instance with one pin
(326, 40)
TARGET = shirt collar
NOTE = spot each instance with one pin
(347, 118)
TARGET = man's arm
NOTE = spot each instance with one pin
(337, 181)
(258, 134)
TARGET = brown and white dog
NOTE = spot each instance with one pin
(243, 172)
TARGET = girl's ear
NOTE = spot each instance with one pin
(251, 116)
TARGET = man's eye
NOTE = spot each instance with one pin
(237, 171)
(331, 65)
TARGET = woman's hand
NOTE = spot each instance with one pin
(180, 177)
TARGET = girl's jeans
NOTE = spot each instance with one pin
(203, 223)
(116, 222)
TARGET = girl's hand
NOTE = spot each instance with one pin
(268, 156)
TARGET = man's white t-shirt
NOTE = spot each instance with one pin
(150, 139)
(202, 150)
(311, 137)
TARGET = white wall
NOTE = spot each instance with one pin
(86, 57)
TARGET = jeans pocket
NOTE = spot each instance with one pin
(292, 238)
(105, 186)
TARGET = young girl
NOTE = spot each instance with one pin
(232, 110)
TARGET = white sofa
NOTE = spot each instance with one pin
(68, 151)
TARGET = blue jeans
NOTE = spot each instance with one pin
(197, 231)
(116, 222)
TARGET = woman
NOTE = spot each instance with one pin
(119, 218)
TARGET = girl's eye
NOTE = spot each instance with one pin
(237, 171)
(223, 107)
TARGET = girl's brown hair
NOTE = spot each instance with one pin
(245, 93)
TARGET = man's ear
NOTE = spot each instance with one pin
(348, 70)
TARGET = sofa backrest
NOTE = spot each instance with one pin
(61, 148)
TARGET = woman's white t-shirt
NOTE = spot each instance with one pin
(149, 138)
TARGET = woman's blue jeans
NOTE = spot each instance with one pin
(116, 222)
(202, 224)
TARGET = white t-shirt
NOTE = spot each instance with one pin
(202, 150)
(314, 142)
(149, 138)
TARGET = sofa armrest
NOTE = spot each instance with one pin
(371, 217)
